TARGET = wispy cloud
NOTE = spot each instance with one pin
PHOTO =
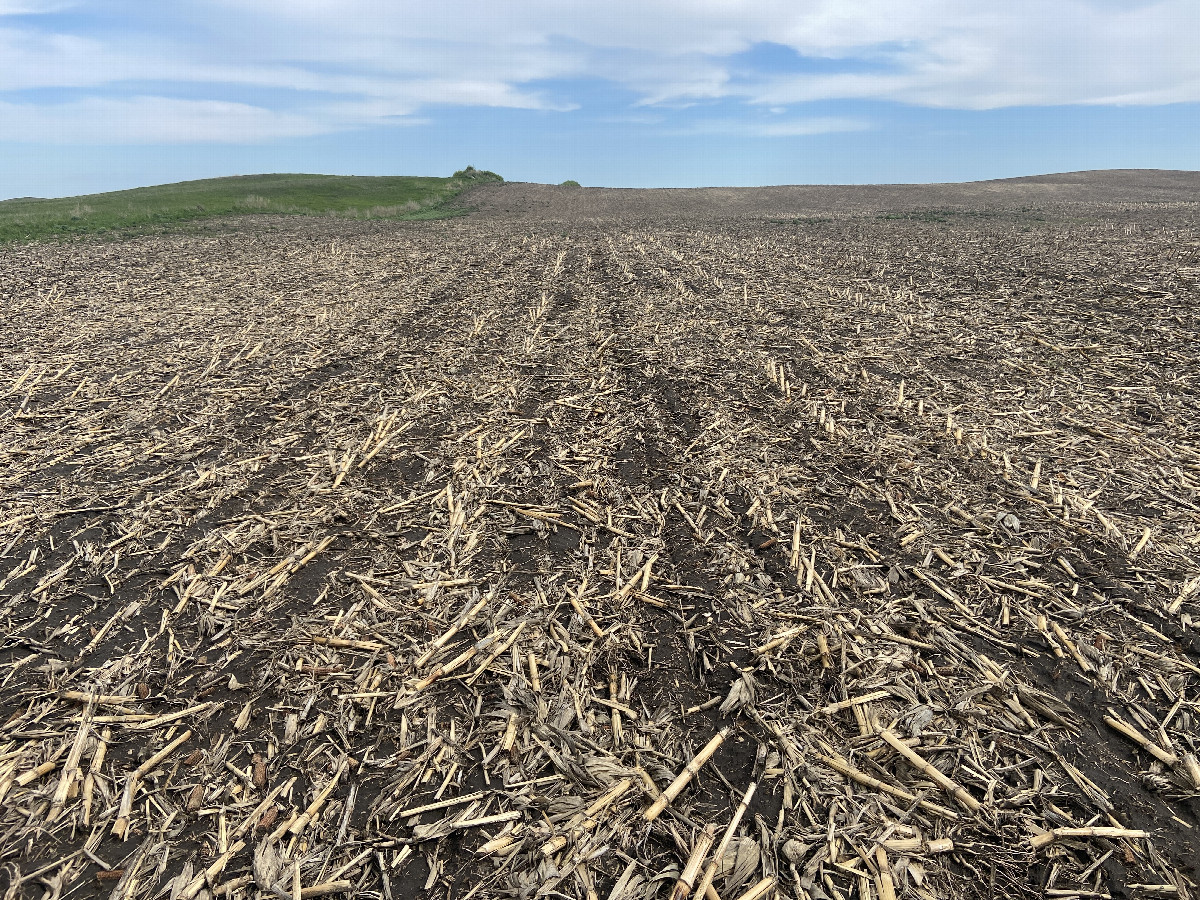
(782, 127)
(33, 7)
(150, 120)
(346, 64)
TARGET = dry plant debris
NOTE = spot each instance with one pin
(848, 559)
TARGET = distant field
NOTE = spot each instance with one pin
(1027, 199)
(390, 197)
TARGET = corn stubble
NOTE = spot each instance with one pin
(733, 561)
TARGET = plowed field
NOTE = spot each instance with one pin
(494, 558)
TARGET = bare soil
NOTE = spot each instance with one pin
(1065, 195)
(888, 496)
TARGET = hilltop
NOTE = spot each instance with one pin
(164, 205)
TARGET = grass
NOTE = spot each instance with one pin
(169, 205)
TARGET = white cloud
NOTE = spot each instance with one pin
(780, 127)
(816, 125)
(976, 54)
(1024, 52)
(149, 120)
(348, 63)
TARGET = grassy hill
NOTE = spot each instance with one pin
(391, 197)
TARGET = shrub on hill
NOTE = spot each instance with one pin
(470, 173)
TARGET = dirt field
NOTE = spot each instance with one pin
(1065, 196)
(502, 556)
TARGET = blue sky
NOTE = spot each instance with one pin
(107, 94)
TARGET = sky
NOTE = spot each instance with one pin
(100, 95)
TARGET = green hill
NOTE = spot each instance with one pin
(139, 209)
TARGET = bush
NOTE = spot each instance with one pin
(470, 173)
(570, 182)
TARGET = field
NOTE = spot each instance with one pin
(169, 206)
(515, 555)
